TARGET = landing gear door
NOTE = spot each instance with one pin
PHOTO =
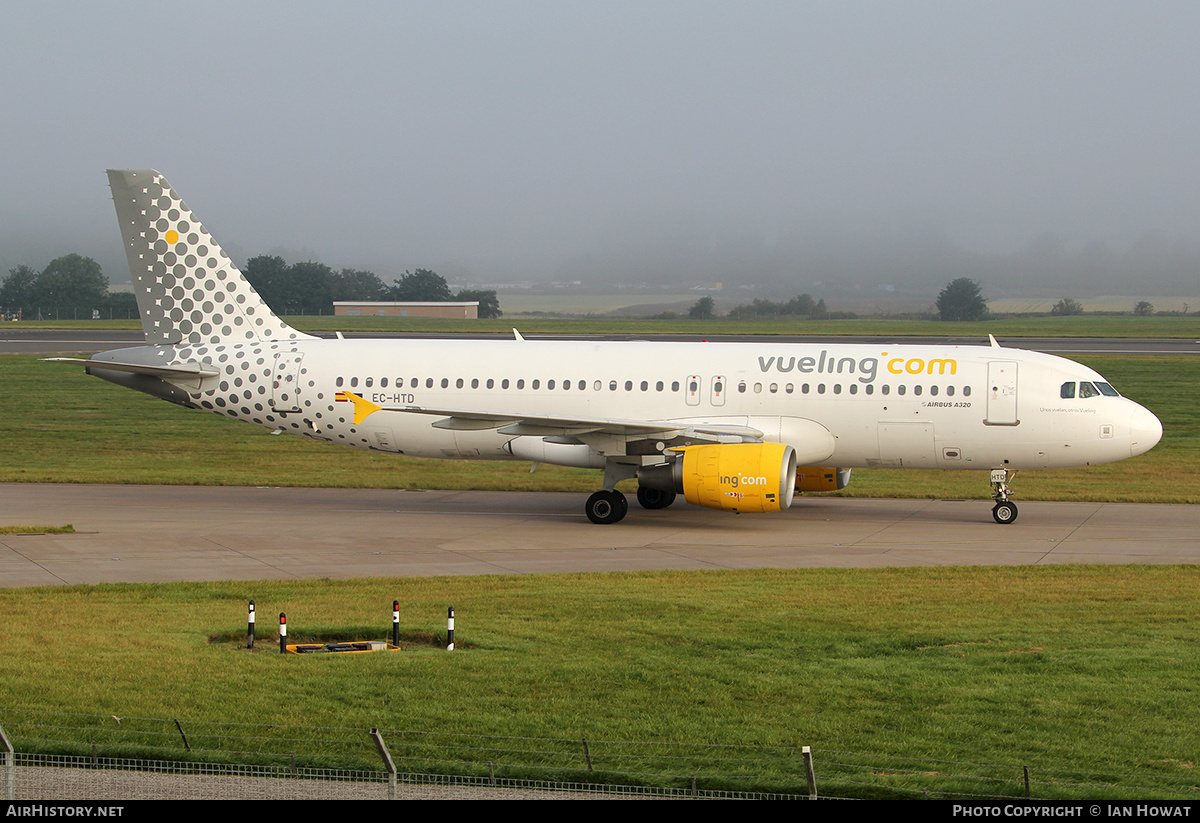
(285, 382)
(1002, 393)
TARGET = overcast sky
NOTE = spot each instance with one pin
(509, 138)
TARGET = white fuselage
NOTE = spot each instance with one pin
(945, 407)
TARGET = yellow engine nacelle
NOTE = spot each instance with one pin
(738, 477)
(821, 479)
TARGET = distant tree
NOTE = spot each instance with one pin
(1144, 308)
(1066, 307)
(16, 292)
(309, 289)
(420, 286)
(801, 304)
(962, 299)
(121, 305)
(352, 284)
(269, 277)
(301, 288)
(702, 309)
(70, 284)
(489, 303)
(759, 308)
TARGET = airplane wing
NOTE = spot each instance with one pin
(546, 425)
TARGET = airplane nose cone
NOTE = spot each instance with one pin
(1145, 431)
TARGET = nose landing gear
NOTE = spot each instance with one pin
(1005, 511)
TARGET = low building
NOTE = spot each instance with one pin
(467, 310)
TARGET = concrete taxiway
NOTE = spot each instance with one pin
(171, 533)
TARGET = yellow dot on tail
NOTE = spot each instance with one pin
(172, 237)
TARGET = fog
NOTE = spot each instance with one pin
(794, 146)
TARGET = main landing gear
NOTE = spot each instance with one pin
(606, 507)
(611, 506)
(1005, 511)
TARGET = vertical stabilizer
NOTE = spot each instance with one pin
(188, 290)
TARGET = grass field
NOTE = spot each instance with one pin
(1080, 326)
(1061, 669)
(57, 425)
(1079, 668)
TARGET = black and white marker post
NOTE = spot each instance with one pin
(450, 629)
(395, 622)
(250, 627)
(282, 633)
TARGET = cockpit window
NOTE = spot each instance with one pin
(1087, 390)
(1107, 390)
(1067, 391)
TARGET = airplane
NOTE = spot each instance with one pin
(740, 427)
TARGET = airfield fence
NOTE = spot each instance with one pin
(60, 756)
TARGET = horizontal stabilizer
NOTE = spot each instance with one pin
(189, 369)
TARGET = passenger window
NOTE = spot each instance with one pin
(521, 383)
(549, 384)
(504, 383)
(535, 384)
(445, 382)
(1067, 391)
(658, 386)
(854, 388)
(383, 382)
(612, 385)
(458, 384)
(491, 383)
(949, 391)
(645, 385)
(628, 385)
(774, 388)
(339, 382)
(370, 381)
(429, 382)
(741, 387)
(675, 385)
(966, 391)
(789, 388)
(474, 382)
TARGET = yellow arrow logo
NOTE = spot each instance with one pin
(362, 408)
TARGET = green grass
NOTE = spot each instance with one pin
(1089, 669)
(57, 425)
(1079, 326)
(17, 529)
